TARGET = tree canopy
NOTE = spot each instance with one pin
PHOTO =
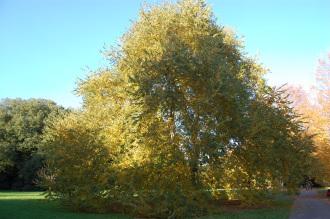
(21, 136)
(181, 117)
(314, 107)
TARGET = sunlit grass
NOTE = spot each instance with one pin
(21, 195)
(33, 205)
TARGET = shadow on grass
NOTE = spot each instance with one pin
(26, 205)
(276, 213)
(279, 209)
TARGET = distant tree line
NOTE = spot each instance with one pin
(22, 123)
(314, 107)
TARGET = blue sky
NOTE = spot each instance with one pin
(46, 45)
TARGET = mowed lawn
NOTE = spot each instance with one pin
(26, 205)
(33, 205)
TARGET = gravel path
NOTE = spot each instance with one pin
(310, 205)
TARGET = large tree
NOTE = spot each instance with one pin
(181, 117)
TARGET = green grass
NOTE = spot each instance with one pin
(272, 213)
(33, 205)
(280, 209)
(26, 205)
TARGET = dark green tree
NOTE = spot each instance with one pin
(21, 136)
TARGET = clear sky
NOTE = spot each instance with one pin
(46, 45)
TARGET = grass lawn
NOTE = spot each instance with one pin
(271, 213)
(280, 210)
(33, 205)
(26, 205)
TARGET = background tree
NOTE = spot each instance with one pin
(21, 129)
(314, 107)
(322, 121)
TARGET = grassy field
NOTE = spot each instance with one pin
(33, 205)
(280, 210)
(26, 205)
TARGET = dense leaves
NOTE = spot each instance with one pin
(21, 136)
(85, 174)
(181, 118)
